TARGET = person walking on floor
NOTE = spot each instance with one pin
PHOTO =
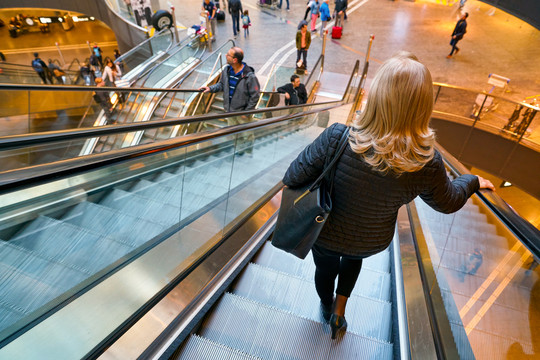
(339, 11)
(235, 9)
(457, 34)
(325, 15)
(246, 23)
(40, 68)
(389, 160)
(314, 8)
(281, 3)
(303, 41)
(211, 9)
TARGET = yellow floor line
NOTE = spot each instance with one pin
(472, 324)
(489, 280)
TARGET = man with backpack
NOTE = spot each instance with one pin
(97, 52)
(40, 68)
(235, 9)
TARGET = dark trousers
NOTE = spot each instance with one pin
(330, 265)
(302, 53)
(454, 42)
(235, 23)
(43, 76)
(281, 3)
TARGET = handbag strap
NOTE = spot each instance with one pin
(330, 166)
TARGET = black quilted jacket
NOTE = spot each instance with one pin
(366, 202)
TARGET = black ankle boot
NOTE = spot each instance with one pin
(337, 324)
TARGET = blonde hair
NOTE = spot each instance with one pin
(393, 132)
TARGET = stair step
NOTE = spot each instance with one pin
(199, 348)
(139, 206)
(28, 280)
(113, 223)
(70, 244)
(366, 317)
(271, 333)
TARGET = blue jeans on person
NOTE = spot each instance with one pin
(281, 3)
(302, 53)
(454, 42)
(235, 23)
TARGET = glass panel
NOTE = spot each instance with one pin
(503, 117)
(488, 279)
(76, 231)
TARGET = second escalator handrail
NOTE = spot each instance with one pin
(524, 230)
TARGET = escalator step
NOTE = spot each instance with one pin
(371, 283)
(9, 315)
(366, 316)
(113, 223)
(70, 244)
(199, 348)
(29, 281)
(142, 207)
(271, 333)
(282, 261)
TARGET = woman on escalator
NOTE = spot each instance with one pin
(389, 160)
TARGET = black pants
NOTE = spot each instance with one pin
(330, 265)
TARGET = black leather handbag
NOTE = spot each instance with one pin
(304, 210)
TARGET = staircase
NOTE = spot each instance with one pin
(272, 312)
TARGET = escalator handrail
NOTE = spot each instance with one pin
(18, 141)
(29, 176)
(524, 230)
(132, 50)
(454, 87)
(41, 138)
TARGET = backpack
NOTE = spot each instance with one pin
(245, 20)
(96, 51)
(36, 64)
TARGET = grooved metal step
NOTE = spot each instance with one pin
(199, 348)
(70, 244)
(366, 316)
(372, 282)
(271, 333)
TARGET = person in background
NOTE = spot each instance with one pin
(459, 30)
(2, 57)
(314, 7)
(235, 9)
(295, 92)
(87, 74)
(111, 72)
(98, 53)
(339, 12)
(120, 63)
(210, 8)
(303, 41)
(102, 98)
(40, 68)
(56, 71)
(246, 23)
(325, 15)
(390, 159)
(241, 91)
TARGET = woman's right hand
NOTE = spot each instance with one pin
(485, 183)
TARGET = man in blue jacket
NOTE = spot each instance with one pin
(457, 34)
